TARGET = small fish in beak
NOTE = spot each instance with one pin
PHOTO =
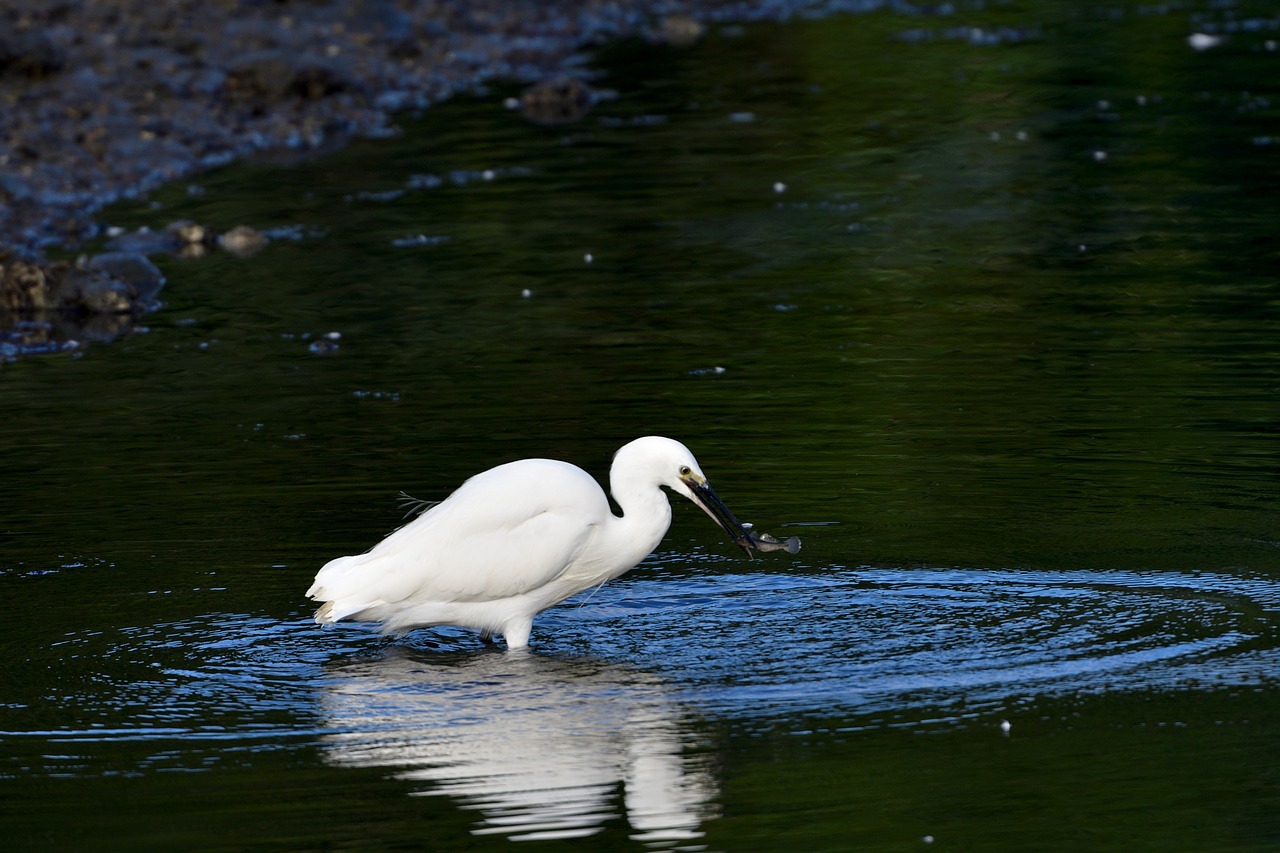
(765, 542)
(743, 535)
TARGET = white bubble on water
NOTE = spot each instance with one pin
(1203, 41)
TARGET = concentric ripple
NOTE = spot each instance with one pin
(604, 720)
(858, 638)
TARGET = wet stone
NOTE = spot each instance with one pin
(680, 31)
(90, 291)
(112, 283)
(56, 307)
(243, 241)
(24, 288)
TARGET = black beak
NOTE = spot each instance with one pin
(705, 497)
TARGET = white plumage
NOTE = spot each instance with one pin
(516, 539)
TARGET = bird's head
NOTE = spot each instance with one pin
(671, 464)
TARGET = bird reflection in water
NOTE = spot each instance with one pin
(538, 745)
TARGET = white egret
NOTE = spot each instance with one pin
(518, 538)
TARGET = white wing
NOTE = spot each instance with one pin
(504, 532)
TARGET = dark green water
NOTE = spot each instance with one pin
(1003, 352)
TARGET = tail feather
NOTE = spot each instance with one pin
(335, 610)
(333, 583)
(324, 616)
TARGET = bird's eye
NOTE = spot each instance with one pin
(685, 470)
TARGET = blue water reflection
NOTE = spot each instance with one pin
(955, 643)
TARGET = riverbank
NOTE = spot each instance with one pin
(106, 101)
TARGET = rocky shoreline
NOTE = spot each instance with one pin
(105, 100)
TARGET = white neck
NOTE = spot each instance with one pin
(646, 516)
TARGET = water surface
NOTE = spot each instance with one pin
(980, 305)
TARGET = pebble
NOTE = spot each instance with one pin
(243, 241)
(680, 31)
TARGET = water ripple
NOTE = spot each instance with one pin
(878, 638)
(539, 744)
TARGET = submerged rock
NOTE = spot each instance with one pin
(561, 100)
(184, 238)
(140, 278)
(680, 31)
(113, 283)
(54, 307)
